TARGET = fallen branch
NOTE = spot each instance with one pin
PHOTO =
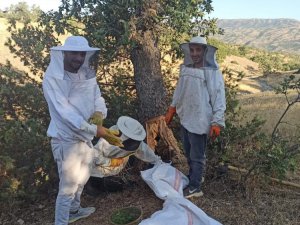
(160, 137)
(241, 170)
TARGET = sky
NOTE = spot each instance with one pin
(223, 9)
(258, 9)
(45, 5)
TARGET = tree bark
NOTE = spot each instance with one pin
(150, 88)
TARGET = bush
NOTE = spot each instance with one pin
(26, 160)
(245, 146)
(120, 96)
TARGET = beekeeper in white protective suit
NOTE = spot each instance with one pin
(74, 100)
(109, 160)
(199, 101)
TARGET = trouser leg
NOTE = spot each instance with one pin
(75, 205)
(62, 209)
(73, 167)
(186, 146)
(195, 147)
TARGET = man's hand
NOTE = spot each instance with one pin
(170, 114)
(109, 135)
(214, 132)
(96, 118)
(116, 162)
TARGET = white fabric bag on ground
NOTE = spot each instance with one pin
(179, 211)
(168, 183)
(165, 180)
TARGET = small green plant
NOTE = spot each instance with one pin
(125, 215)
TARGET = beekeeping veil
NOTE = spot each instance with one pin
(72, 43)
(209, 54)
(132, 134)
(71, 101)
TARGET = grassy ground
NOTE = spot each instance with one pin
(269, 107)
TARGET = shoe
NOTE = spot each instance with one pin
(189, 193)
(81, 213)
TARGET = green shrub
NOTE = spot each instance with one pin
(244, 144)
(27, 162)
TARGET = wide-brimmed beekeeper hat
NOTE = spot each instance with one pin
(131, 128)
(209, 55)
(75, 43)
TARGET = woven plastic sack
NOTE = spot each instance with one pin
(165, 180)
(179, 211)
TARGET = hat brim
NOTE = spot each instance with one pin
(74, 49)
(123, 127)
(186, 45)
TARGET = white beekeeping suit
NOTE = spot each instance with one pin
(72, 98)
(205, 98)
(199, 101)
(133, 135)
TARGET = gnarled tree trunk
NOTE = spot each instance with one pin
(150, 87)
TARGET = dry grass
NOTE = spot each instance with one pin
(247, 66)
(258, 98)
(224, 200)
(5, 54)
(270, 106)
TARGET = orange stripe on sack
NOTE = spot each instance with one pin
(189, 215)
(177, 180)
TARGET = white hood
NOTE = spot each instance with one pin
(56, 66)
(209, 55)
(72, 43)
(72, 102)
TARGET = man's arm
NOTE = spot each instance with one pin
(100, 105)
(59, 103)
(146, 154)
(216, 90)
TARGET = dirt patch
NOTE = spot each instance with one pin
(224, 199)
(245, 65)
(254, 81)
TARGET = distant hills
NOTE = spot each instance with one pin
(271, 34)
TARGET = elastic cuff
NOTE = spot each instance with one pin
(89, 128)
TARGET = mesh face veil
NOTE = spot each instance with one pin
(209, 56)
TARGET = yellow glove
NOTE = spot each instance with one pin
(116, 162)
(110, 136)
(96, 118)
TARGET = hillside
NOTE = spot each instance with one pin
(5, 54)
(270, 34)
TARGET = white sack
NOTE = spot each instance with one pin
(165, 180)
(168, 183)
(179, 211)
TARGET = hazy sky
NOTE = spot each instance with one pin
(241, 9)
(223, 9)
(45, 5)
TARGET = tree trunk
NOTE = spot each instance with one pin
(150, 88)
